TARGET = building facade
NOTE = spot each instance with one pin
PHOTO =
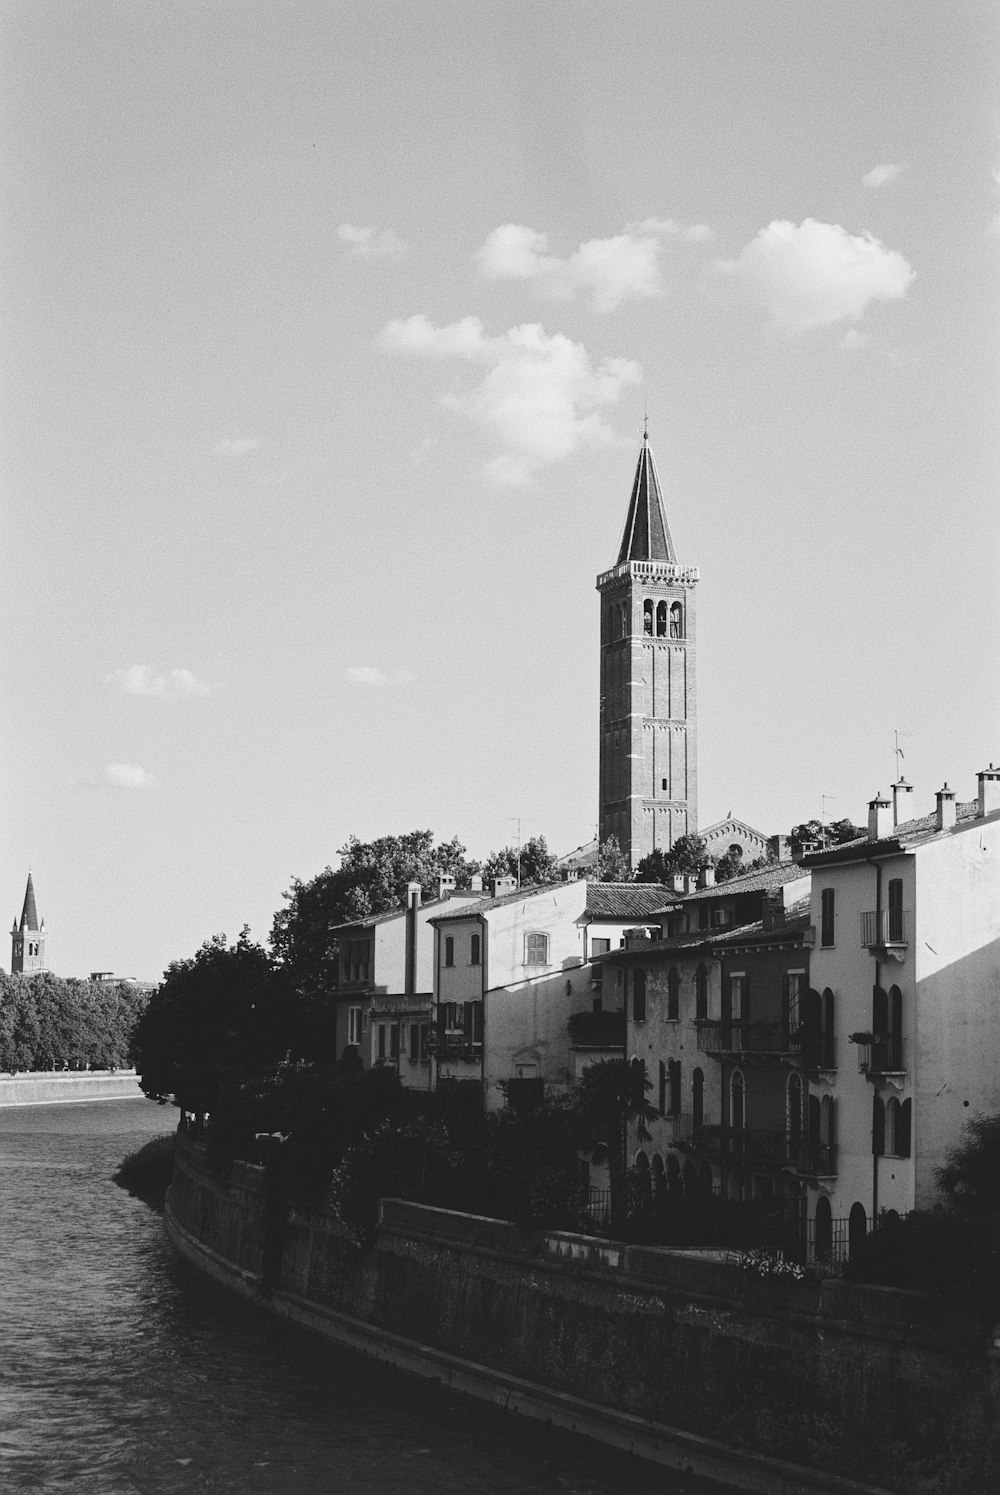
(648, 702)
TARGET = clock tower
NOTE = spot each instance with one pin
(648, 717)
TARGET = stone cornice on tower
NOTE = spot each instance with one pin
(668, 571)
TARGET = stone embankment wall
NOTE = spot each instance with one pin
(57, 1087)
(763, 1383)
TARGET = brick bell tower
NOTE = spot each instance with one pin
(27, 938)
(649, 713)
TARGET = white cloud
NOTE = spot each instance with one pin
(816, 274)
(367, 674)
(852, 338)
(885, 173)
(235, 446)
(609, 271)
(368, 244)
(539, 398)
(175, 685)
(128, 776)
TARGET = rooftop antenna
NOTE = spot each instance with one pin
(898, 752)
(516, 820)
(645, 423)
(822, 817)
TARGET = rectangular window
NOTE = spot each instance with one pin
(415, 1046)
(662, 1107)
(737, 997)
(449, 951)
(895, 919)
(639, 995)
(381, 1040)
(826, 916)
(393, 1040)
(599, 947)
(354, 1025)
(536, 949)
(474, 950)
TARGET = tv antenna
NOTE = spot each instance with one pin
(898, 752)
(516, 820)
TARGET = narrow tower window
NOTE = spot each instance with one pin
(676, 620)
(647, 617)
(661, 620)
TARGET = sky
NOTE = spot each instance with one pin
(328, 331)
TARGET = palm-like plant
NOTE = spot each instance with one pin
(610, 1101)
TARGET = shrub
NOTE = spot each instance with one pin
(938, 1250)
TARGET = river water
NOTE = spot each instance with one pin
(123, 1371)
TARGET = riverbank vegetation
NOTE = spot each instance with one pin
(49, 1023)
(146, 1173)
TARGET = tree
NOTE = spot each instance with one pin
(610, 1098)
(689, 855)
(612, 863)
(371, 879)
(535, 863)
(970, 1178)
(216, 1015)
(833, 834)
(731, 865)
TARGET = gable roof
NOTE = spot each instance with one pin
(751, 882)
(369, 921)
(904, 837)
(646, 536)
(625, 900)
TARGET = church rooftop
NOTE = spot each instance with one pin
(646, 536)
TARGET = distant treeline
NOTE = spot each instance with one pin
(50, 1023)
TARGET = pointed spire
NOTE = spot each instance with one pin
(646, 536)
(29, 914)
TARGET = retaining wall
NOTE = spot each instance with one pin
(772, 1385)
(55, 1087)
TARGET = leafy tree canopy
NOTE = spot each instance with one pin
(612, 863)
(970, 1178)
(371, 879)
(689, 855)
(47, 1022)
(537, 864)
(824, 835)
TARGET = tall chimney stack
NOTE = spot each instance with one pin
(945, 817)
(879, 818)
(989, 790)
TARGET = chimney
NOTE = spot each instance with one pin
(476, 882)
(446, 884)
(989, 790)
(707, 878)
(504, 885)
(680, 882)
(772, 909)
(945, 817)
(410, 970)
(780, 847)
(902, 802)
(879, 818)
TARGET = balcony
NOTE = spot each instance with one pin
(744, 1038)
(879, 1056)
(886, 929)
(677, 1128)
(597, 1030)
(768, 1149)
(816, 1159)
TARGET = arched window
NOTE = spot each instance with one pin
(673, 994)
(823, 1238)
(647, 617)
(639, 995)
(676, 620)
(857, 1228)
(706, 1183)
(474, 950)
(903, 1135)
(690, 1180)
(643, 1180)
(659, 1181)
(878, 1126)
(827, 1122)
(674, 1084)
(661, 620)
(701, 992)
(673, 1173)
(894, 932)
(794, 1113)
(698, 1098)
(813, 1119)
(828, 1055)
(737, 1102)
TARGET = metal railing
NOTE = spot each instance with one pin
(884, 927)
(734, 1036)
(883, 1056)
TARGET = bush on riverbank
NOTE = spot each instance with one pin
(146, 1173)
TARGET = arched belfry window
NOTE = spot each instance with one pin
(676, 620)
(661, 620)
(647, 617)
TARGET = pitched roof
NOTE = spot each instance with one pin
(368, 921)
(751, 882)
(483, 905)
(790, 932)
(646, 536)
(29, 914)
(902, 838)
(625, 900)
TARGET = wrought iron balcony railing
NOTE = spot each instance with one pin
(737, 1037)
(881, 929)
(882, 1055)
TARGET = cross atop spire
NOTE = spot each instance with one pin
(646, 536)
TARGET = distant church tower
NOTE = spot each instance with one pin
(648, 775)
(27, 938)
